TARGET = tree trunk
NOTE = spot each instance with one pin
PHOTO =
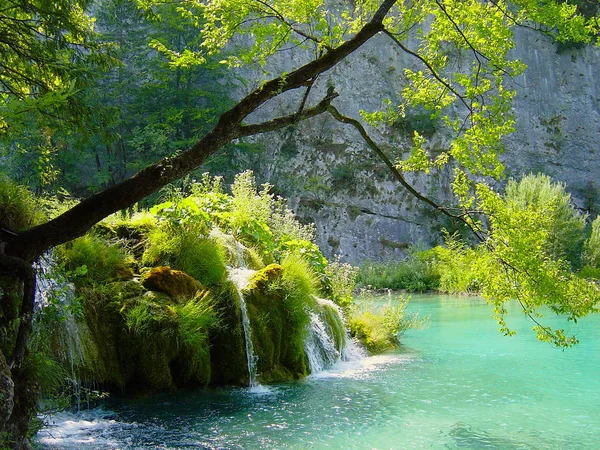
(24, 248)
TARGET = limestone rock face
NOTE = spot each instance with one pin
(333, 179)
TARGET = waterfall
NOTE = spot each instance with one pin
(234, 248)
(52, 290)
(328, 340)
(240, 278)
(319, 345)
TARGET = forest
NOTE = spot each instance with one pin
(143, 249)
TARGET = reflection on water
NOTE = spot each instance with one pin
(457, 384)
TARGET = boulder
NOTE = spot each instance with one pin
(175, 283)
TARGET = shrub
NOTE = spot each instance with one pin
(457, 267)
(379, 329)
(342, 279)
(285, 226)
(249, 213)
(591, 247)
(566, 226)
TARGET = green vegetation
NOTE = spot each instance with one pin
(531, 249)
(277, 301)
(182, 251)
(591, 253)
(95, 258)
(457, 267)
(380, 329)
(343, 279)
(418, 272)
(565, 225)
(18, 207)
(155, 309)
(55, 102)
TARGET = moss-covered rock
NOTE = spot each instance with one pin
(143, 340)
(331, 315)
(277, 338)
(175, 283)
(227, 351)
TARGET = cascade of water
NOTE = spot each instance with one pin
(319, 345)
(233, 247)
(328, 340)
(50, 289)
(240, 278)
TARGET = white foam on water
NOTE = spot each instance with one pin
(73, 430)
(240, 276)
(362, 368)
(261, 390)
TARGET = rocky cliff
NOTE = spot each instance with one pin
(333, 179)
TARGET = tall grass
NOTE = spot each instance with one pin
(196, 318)
(299, 284)
(198, 256)
(101, 261)
(18, 207)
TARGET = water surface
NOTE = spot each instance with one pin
(457, 384)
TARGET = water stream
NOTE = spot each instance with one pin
(319, 346)
(457, 385)
(240, 278)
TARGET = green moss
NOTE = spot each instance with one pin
(228, 354)
(146, 342)
(334, 322)
(277, 305)
(102, 312)
(196, 318)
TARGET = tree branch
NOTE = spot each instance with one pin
(397, 174)
(429, 66)
(76, 221)
(291, 26)
(281, 122)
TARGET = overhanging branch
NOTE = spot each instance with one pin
(281, 122)
(76, 221)
(397, 174)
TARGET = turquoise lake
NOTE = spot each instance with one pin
(458, 384)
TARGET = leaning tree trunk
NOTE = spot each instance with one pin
(21, 250)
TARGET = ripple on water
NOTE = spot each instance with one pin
(457, 385)
(364, 368)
